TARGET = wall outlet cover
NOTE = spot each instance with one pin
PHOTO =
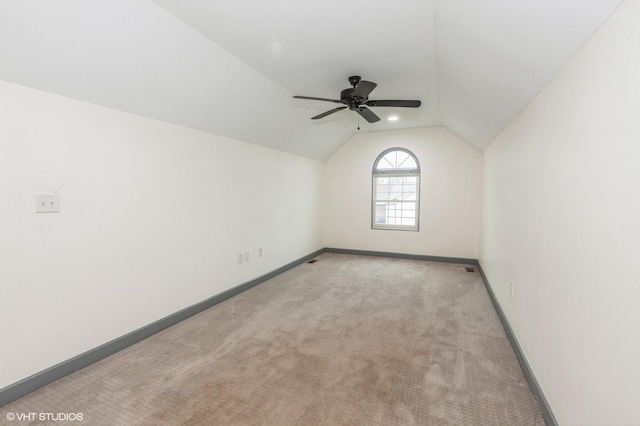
(47, 203)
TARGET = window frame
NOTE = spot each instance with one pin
(376, 173)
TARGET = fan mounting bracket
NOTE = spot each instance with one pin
(354, 80)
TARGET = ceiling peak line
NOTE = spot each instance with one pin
(437, 56)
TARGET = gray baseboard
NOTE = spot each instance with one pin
(404, 256)
(43, 378)
(543, 404)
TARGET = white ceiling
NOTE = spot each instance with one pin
(231, 67)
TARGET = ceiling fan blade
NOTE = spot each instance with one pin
(391, 103)
(368, 115)
(324, 114)
(317, 99)
(363, 89)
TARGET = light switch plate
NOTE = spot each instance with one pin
(47, 203)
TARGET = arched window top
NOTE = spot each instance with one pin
(395, 160)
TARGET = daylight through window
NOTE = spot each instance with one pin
(396, 181)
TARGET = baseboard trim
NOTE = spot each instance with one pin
(543, 404)
(32, 383)
(403, 256)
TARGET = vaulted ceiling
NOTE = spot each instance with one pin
(231, 67)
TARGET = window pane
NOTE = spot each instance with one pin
(401, 157)
(386, 163)
(381, 214)
(396, 160)
(408, 206)
(396, 190)
(390, 213)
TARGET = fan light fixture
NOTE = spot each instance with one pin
(393, 118)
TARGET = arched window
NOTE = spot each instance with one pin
(396, 190)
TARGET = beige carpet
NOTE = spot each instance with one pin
(348, 340)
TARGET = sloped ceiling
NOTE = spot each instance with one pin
(231, 67)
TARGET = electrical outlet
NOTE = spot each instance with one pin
(47, 203)
(246, 256)
(240, 258)
(511, 287)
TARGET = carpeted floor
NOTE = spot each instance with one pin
(348, 340)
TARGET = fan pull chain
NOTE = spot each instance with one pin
(358, 121)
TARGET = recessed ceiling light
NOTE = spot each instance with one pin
(393, 118)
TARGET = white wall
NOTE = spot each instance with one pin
(561, 218)
(450, 194)
(145, 227)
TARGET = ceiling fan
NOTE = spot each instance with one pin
(357, 99)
